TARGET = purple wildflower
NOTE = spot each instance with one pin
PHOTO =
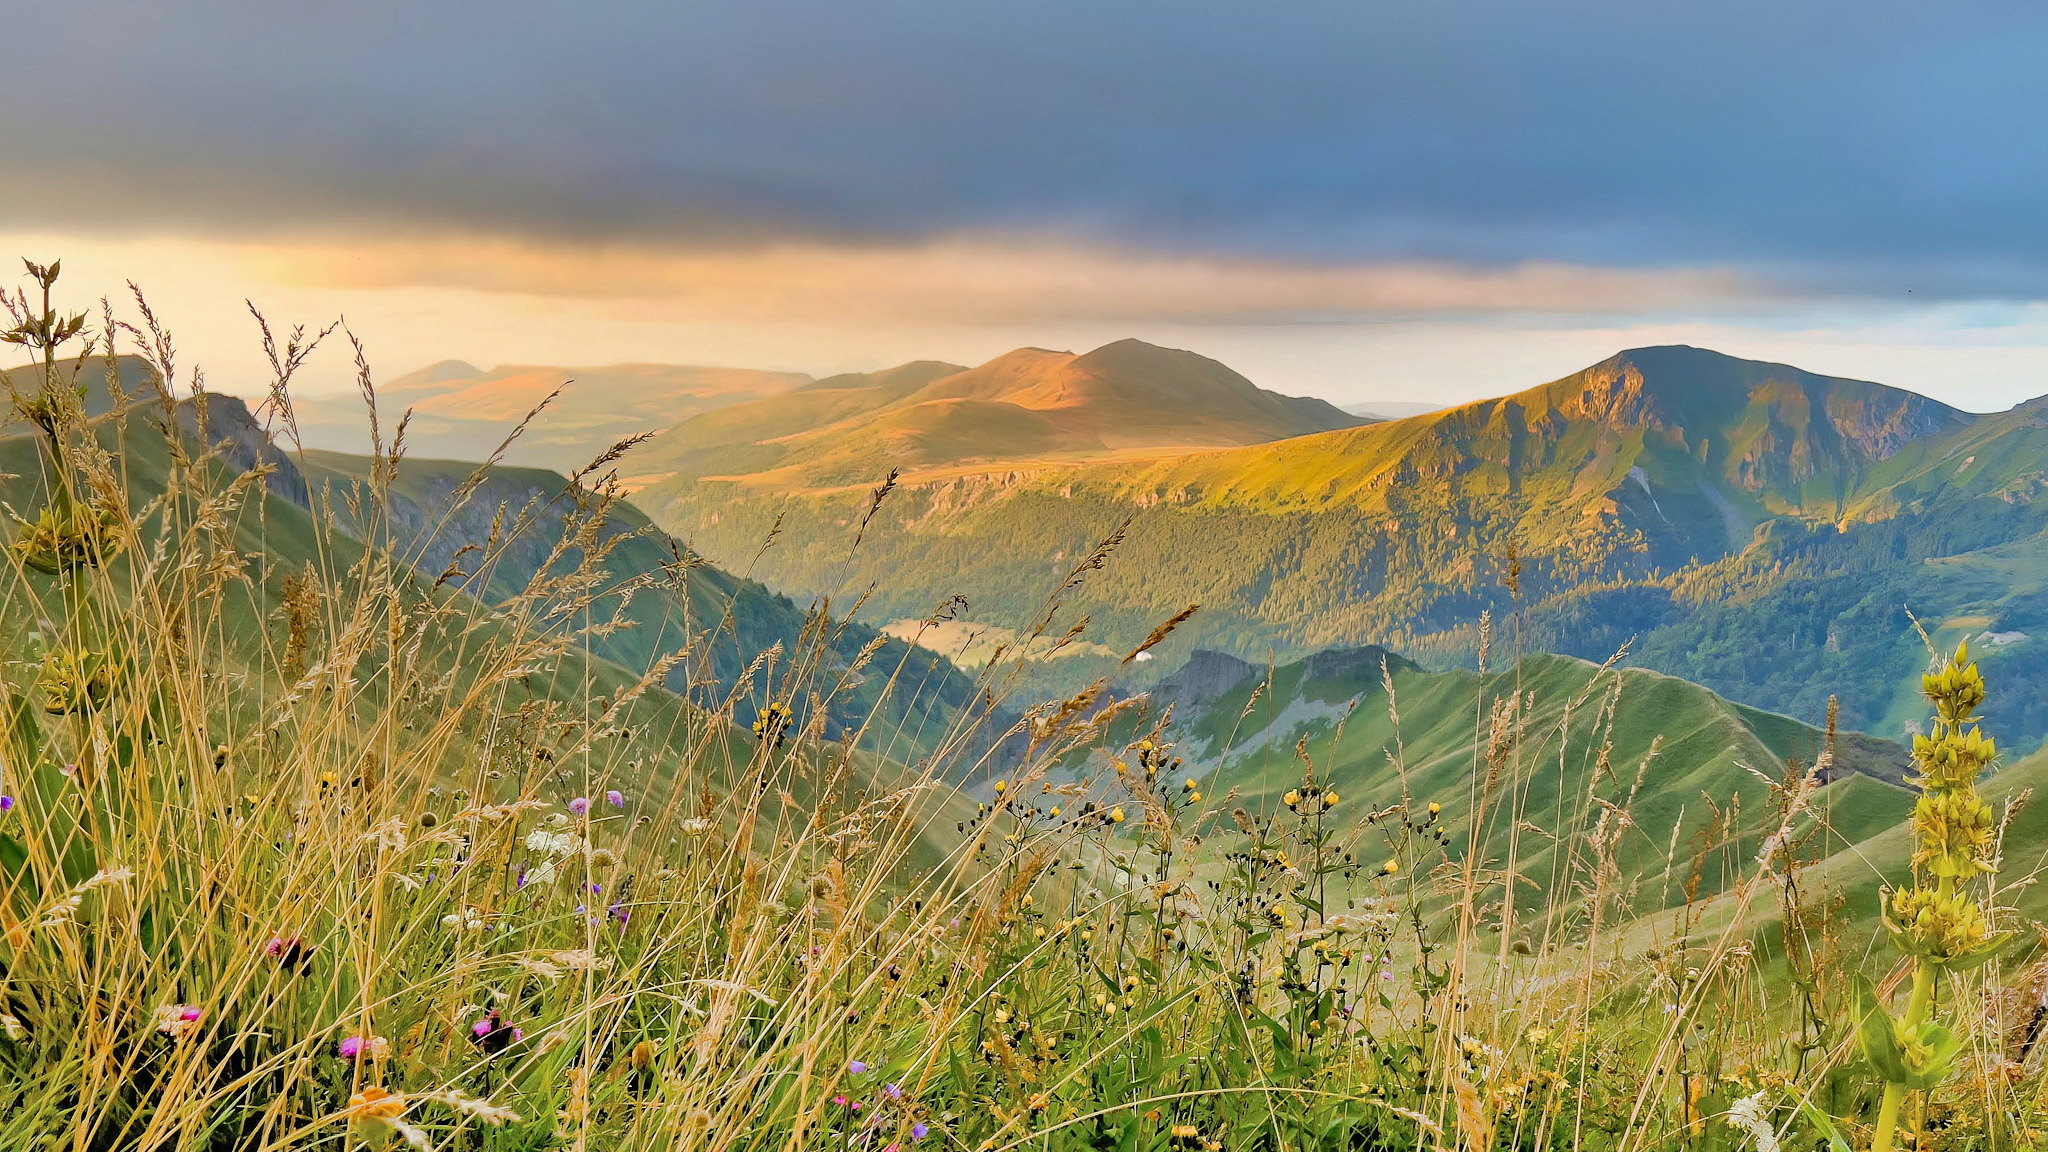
(615, 798)
(6, 802)
(892, 1091)
(580, 805)
(857, 1067)
(290, 952)
(492, 1034)
(920, 1130)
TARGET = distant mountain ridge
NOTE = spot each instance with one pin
(1028, 405)
(460, 411)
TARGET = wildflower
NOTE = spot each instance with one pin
(1435, 808)
(373, 1115)
(492, 1034)
(468, 918)
(773, 724)
(919, 1130)
(552, 843)
(615, 798)
(1391, 867)
(1291, 799)
(893, 1091)
(580, 805)
(356, 1047)
(72, 679)
(1116, 814)
(175, 1020)
(1748, 1115)
(1329, 799)
(696, 826)
(857, 1067)
(6, 802)
(61, 541)
(290, 952)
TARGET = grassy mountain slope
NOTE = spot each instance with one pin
(1685, 754)
(663, 598)
(1030, 405)
(463, 412)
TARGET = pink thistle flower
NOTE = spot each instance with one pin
(615, 798)
(580, 805)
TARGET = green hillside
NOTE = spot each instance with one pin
(653, 597)
(1675, 756)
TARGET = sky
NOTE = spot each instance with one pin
(1425, 202)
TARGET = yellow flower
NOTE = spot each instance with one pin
(1435, 808)
(1927, 923)
(373, 1115)
(1391, 867)
(1291, 799)
(1329, 799)
(1952, 834)
(1116, 814)
(1002, 786)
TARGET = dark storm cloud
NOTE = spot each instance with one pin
(1860, 146)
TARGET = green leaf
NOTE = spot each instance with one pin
(1826, 1125)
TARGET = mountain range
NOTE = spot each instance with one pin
(1760, 529)
(463, 412)
(1029, 407)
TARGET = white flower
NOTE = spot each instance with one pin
(468, 918)
(174, 1020)
(696, 826)
(1748, 1115)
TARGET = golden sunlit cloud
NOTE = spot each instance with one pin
(979, 282)
(1435, 332)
